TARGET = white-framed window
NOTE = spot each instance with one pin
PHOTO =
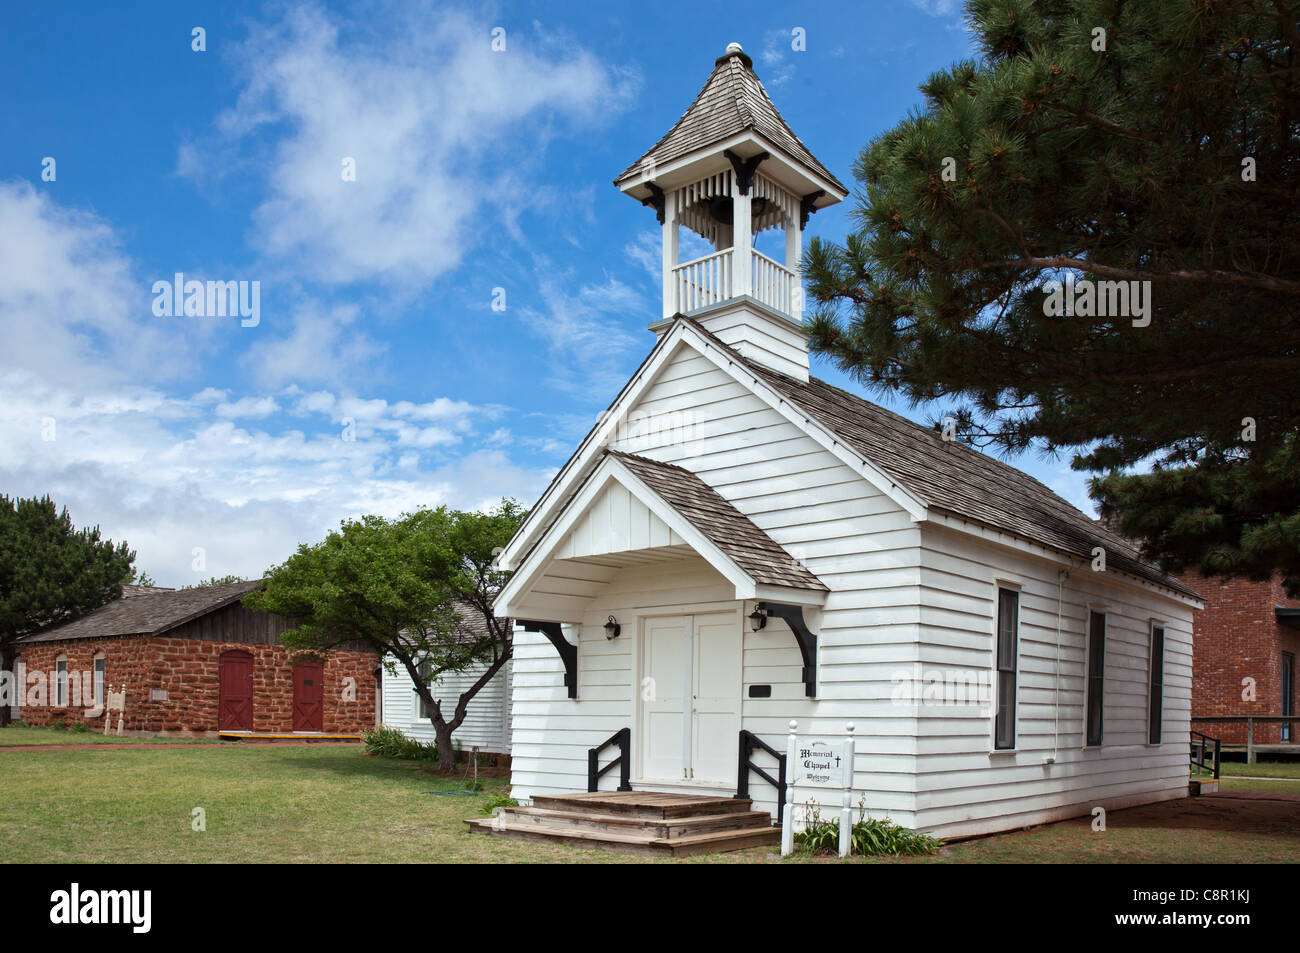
(1095, 678)
(1156, 683)
(101, 670)
(422, 709)
(1006, 659)
(61, 682)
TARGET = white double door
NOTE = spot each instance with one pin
(690, 697)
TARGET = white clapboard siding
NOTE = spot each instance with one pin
(963, 785)
(616, 522)
(487, 717)
(901, 598)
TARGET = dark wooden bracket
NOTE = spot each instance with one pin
(745, 169)
(568, 651)
(655, 201)
(808, 205)
(793, 617)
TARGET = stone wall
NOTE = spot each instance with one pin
(172, 685)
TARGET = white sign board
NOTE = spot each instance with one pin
(819, 764)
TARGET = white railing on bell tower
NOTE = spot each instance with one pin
(735, 268)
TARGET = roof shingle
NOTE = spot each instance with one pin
(147, 613)
(732, 101)
(756, 553)
(953, 478)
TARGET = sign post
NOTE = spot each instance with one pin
(787, 822)
(846, 804)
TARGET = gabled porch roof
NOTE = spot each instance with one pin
(632, 510)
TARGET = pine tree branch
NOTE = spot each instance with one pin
(1237, 279)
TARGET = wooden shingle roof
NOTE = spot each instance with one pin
(733, 100)
(148, 613)
(955, 479)
(756, 553)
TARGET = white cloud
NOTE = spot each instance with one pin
(588, 333)
(322, 345)
(646, 250)
(417, 97)
(247, 407)
(777, 69)
(172, 474)
(70, 304)
(938, 8)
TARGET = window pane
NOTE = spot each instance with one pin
(1004, 728)
(1096, 675)
(425, 668)
(1157, 694)
(1008, 606)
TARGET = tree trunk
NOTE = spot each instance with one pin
(446, 750)
(7, 656)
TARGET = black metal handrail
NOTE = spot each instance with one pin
(622, 738)
(748, 743)
(1200, 742)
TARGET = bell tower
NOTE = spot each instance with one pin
(727, 171)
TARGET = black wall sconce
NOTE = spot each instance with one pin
(612, 628)
(757, 619)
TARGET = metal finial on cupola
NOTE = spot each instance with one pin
(735, 49)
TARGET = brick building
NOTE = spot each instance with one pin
(1246, 641)
(192, 662)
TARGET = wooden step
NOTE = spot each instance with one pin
(675, 827)
(628, 842)
(648, 804)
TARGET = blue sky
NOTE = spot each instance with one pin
(216, 448)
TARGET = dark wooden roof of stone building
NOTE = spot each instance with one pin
(148, 613)
(756, 553)
(733, 100)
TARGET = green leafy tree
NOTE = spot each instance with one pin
(1155, 143)
(51, 572)
(215, 581)
(417, 590)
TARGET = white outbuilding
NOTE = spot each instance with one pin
(738, 544)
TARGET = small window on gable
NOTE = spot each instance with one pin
(1096, 677)
(1008, 637)
(1156, 685)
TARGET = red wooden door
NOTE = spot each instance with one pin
(235, 702)
(308, 697)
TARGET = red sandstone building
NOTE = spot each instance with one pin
(1245, 644)
(191, 662)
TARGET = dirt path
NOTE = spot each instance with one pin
(1240, 811)
(148, 745)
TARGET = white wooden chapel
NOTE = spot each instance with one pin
(738, 544)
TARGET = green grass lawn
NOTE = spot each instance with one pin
(324, 805)
(1269, 785)
(16, 736)
(1262, 769)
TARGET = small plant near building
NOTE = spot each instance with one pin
(391, 743)
(495, 801)
(871, 836)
